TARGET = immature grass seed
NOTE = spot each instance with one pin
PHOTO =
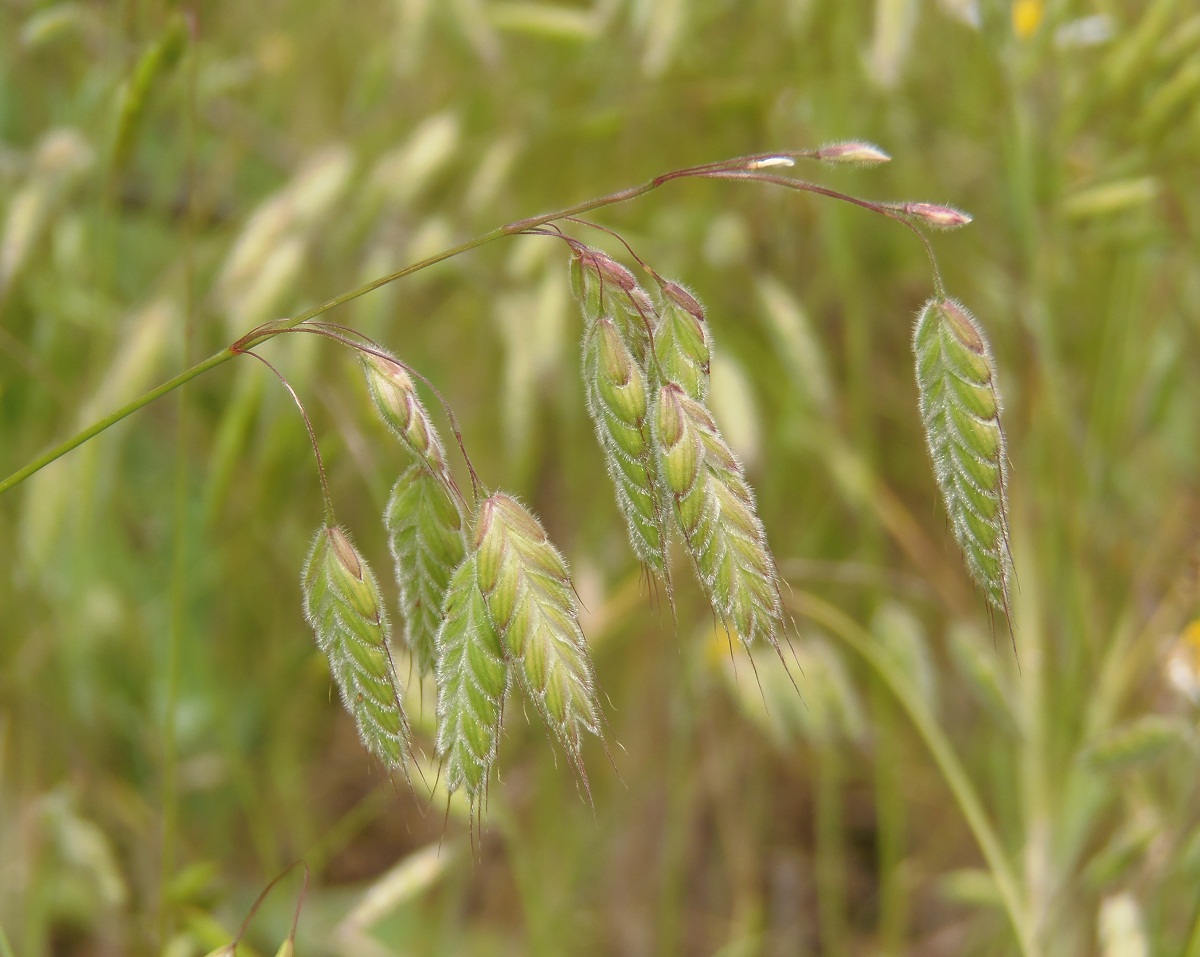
(342, 603)
(682, 345)
(618, 402)
(427, 541)
(401, 409)
(532, 604)
(960, 409)
(604, 287)
(715, 510)
(472, 680)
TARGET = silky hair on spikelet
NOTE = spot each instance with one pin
(426, 536)
(960, 412)
(617, 393)
(715, 511)
(343, 606)
(396, 401)
(682, 343)
(472, 682)
(531, 601)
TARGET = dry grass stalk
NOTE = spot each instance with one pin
(960, 409)
(532, 604)
(427, 541)
(342, 603)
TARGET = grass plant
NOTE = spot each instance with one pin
(181, 182)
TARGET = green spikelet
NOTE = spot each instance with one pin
(960, 409)
(617, 400)
(401, 409)
(715, 510)
(682, 345)
(528, 592)
(341, 602)
(606, 288)
(472, 679)
(425, 534)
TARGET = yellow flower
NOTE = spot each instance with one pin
(1183, 664)
(1027, 17)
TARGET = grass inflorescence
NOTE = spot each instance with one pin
(486, 599)
(343, 605)
(960, 409)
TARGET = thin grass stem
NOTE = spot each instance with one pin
(953, 772)
(742, 168)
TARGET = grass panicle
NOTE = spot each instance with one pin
(715, 510)
(960, 410)
(532, 603)
(395, 397)
(342, 603)
(618, 401)
(426, 536)
(682, 345)
(472, 681)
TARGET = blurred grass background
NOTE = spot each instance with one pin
(171, 176)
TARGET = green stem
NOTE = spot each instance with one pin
(745, 168)
(830, 851)
(1193, 945)
(260, 336)
(109, 420)
(939, 747)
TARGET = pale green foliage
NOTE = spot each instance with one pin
(532, 604)
(472, 678)
(960, 409)
(342, 603)
(617, 394)
(427, 541)
(715, 510)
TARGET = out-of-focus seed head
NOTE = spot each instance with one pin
(854, 153)
(933, 214)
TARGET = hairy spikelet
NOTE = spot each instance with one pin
(715, 510)
(427, 541)
(401, 409)
(472, 679)
(532, 604)
(341, 602)
(960, 409)
(618, 402)
(682, 346)
(606, 288)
